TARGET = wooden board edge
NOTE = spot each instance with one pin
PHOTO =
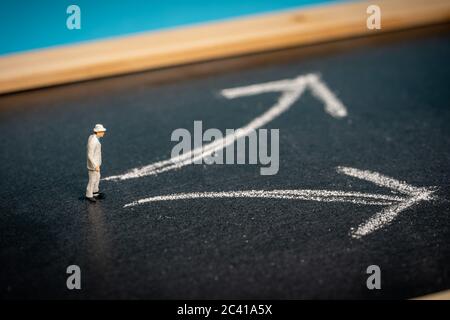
(442, 295)
(211, 41)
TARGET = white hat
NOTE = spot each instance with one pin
(99, 128)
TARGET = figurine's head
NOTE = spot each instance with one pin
(99, 130)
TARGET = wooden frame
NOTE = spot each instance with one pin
(442, 295)
(152, 50)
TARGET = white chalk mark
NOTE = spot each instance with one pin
(309, 195)
(388, 214)
(395, 203)
(381, 180)
(332, 105)
(413, 195)
(291, 90)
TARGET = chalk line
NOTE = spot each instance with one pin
(410, 196)
(296, 194)
(381, 180)
(291, 90)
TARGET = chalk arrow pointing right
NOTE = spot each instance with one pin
(411, 196)
(406, 196)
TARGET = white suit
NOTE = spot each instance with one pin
(94, 159)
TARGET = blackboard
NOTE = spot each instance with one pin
(395, 92)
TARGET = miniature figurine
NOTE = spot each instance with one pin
(94, 161)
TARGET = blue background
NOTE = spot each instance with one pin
(27, 25)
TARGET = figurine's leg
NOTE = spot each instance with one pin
(97, 181)
(90, 185)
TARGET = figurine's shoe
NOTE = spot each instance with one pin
(99, 195)
(92, 200)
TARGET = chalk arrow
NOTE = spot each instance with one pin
(411, 196)
(291, 90)
(405, 197)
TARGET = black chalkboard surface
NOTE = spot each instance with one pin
(363, 178)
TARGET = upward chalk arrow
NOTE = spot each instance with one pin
(291, 90)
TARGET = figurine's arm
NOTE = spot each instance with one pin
(91, 154)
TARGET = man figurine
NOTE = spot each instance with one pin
(94, 161)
